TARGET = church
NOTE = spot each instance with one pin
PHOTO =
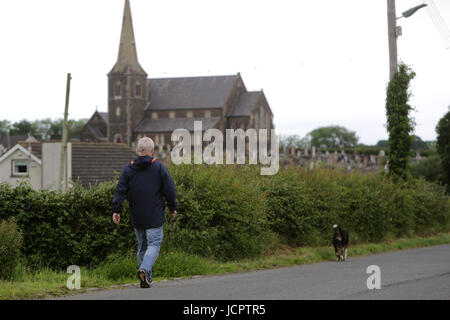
(140, 106)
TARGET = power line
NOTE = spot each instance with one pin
(438, 24)
(434, 7)
(441, 22)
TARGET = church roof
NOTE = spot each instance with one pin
(245, 104)
(98, 134)
(169, 125)
(206, 92)
(104, 116)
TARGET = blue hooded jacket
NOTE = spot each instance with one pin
(145, 182)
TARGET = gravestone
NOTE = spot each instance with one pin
(292, 151)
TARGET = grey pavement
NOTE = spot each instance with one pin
(422, 273)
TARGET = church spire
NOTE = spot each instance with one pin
(127, 60)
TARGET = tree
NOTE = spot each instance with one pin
(5, 126)
(332, 137)
(418, 143)
(443, 146)
(383, 143)
(75, 127)
(23, 127)
(44, 129)
(430, 168)
(40, 129)
(399, 123)
(288, 141)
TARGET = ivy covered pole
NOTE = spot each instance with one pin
(399, 123)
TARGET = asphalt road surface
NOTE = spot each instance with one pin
(422, 273)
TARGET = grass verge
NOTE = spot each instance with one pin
(119, 270)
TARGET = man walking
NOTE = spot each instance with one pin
(145, 182)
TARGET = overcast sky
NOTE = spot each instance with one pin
(321, 62)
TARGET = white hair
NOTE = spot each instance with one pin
(145, 144)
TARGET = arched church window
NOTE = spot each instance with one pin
(118, 89)
(117, 138)
(138, 89)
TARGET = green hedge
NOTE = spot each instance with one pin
(222, 212)
(302, 206)
(228, 212)
(10, 245)
(63, 229)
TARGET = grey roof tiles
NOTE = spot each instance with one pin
(169, 125)
(190, 92)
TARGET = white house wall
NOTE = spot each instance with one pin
(51, 157)
(34, 176)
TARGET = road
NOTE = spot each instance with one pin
(422, 273)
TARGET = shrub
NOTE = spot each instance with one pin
(303, 205)
(226, 212)
(61, 229)
(443, 146)
(222, 214)
(10, 244)
(429, 168)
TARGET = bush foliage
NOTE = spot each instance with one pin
(228, 212)
(10, 245)
(429, 168)
(443, 146)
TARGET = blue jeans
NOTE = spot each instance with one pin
(149, 242)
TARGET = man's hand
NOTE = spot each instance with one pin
(116, 218)
(173, 215)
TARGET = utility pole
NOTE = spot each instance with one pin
(392, 34)
(63, 163)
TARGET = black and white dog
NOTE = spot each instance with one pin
(340, 242)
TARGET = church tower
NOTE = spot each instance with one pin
(127, 87)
